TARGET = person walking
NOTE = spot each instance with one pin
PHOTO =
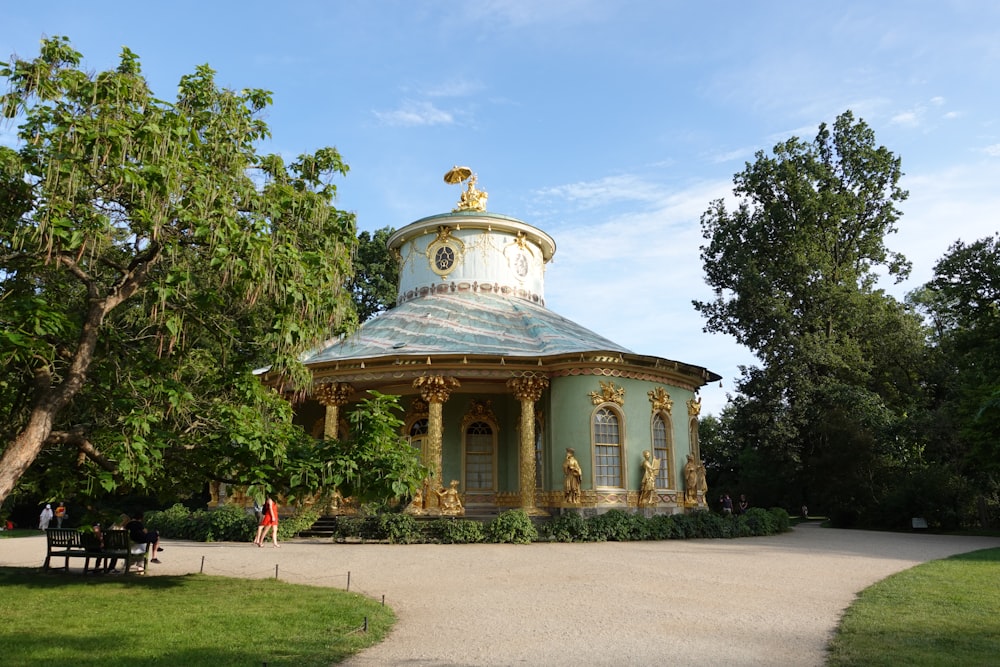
(61, 514)
(45, 518)
(268, 521)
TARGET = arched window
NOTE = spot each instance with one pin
(418, 434)
(479, 448)
(607, 448)
(662, 450)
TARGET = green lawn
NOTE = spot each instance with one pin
(945, 612)
(72, 619)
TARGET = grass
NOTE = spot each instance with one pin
(192, 620)
(945, 612)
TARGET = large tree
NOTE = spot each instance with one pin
(376, 277)
(963, 304)
(795, 269)
(150, 259)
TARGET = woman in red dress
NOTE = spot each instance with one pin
(269, 519)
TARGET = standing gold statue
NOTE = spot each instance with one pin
(573, 476)
(691, 479)
(472, 199)
(647, 487)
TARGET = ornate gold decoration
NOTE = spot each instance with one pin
(572, 476)
(472, 199)
(647, 486)
(480, 411)
(694, 407)
(528, 388)
(333, 393)
(435, 388)
(416, 506)
(609, 394)
(416, 411)
(445, 252)
(661, 400)
(450, 500)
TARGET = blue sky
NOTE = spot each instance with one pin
(610, 125)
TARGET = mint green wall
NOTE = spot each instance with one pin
(567, 411)
(507, 411)
(571, 408)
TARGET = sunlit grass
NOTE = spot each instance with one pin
(944, 612)
(70, 619)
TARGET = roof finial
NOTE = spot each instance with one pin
(472, 199)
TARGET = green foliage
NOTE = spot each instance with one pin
(617, 526)
(512, 527)
(961, 301)
(663, 527)
(376, 275)
(397, 528)
(227, 523)
(782, 522)
(569, 527)
(455, 531)
(292, 524)
(759, 521)
(376, 463)
(150, 259)
(794, 268)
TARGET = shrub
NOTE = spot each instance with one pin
(397, 528)
(302, 519)
(512, 526)
(569, 527)
(663, 527)
(782, 522)
(228, 523)
(613, 526)
(455, 531)
(709, 525)
(759, 521)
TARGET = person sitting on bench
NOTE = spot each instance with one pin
(137, 533)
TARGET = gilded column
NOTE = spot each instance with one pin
(333, 395)
(528, 390)
(435, 389)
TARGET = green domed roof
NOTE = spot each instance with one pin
(466, 323)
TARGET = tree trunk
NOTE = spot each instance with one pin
(21, 452)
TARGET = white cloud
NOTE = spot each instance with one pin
(906, 119)
(992, 150)
(414, 114)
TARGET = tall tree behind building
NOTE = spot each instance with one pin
(794, 269)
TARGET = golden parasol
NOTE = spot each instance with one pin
(457, 175)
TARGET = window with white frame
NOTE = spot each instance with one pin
(661, 450)
(607, 448)
(479, 444)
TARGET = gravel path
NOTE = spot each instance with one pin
(756, 601)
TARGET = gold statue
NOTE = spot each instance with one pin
(472, 199)
(691, 476)
(416, 506)
(573, 476)
(451, 501)
(647, 487)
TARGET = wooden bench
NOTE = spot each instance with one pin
(118, 545)
(69, 543)
(64, 543)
